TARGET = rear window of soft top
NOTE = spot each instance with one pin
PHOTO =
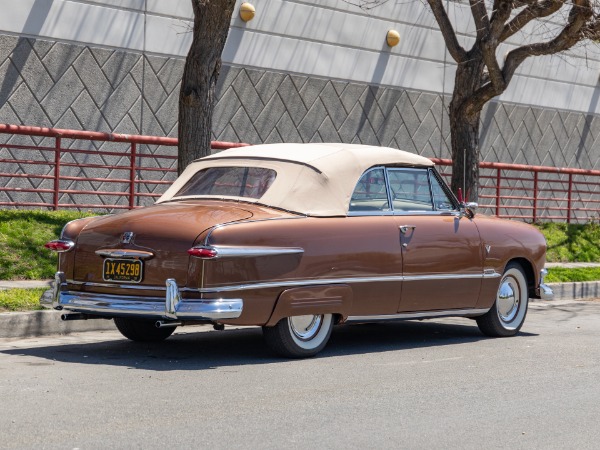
(249, 182)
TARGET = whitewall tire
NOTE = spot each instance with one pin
(507, 315)
(299, 336)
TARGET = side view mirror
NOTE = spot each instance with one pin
(469, 209)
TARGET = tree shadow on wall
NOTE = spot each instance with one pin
(22, 51)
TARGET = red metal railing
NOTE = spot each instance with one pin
(57, 172)
(537, 193)
(127, 175)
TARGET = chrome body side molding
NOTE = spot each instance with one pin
(296, 283)
(350, 280)
(420, 315)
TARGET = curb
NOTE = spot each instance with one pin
(575, 291)
(41, 323)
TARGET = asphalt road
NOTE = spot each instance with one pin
(431, 384)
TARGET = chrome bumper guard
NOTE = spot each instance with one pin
(546, 292)
(170, 307)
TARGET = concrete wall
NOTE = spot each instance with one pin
(300, 71)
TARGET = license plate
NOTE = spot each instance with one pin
(129, 270)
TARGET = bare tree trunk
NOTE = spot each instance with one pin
(465, 144)
(200, 75)
(464, 127)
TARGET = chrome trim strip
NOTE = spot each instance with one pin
(420, 315)
(119, 286)
(293, 283)
(321, 281)
(124, 253)
(224, 251)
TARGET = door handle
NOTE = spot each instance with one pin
(404, 228)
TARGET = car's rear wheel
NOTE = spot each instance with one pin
(142, 330)
(507, 315)
(299, 336)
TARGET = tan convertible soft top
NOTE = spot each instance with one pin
(312, 179)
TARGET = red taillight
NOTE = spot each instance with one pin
(203, 252)
(60, 245)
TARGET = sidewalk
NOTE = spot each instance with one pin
(40, 323)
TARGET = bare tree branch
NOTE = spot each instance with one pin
(480, 16)
(456, 51)
(580, 13)
(490, 41)
(499, 17)
(534, 11)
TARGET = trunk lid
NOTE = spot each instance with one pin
(166, 231)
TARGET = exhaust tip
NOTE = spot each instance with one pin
(163, 324)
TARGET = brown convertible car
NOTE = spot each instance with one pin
(296, 238)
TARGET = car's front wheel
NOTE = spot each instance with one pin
(142, 330)
(299, 336)
(507, 315)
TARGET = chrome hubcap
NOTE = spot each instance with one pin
(305, 327)
(508, 299)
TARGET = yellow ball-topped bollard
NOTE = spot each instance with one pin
(247, 11)
(392, 38)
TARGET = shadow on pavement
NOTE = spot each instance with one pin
(238, 347)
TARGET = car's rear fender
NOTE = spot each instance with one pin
(326, 299)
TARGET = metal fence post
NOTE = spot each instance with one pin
(569, 198)
(132, 157)
(535, 194)
(498, 179)
(56, 172)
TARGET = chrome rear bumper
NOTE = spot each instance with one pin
(170, 307)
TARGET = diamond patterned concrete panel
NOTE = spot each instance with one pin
(273, 138)
(269, 83)
(333, 105)
(351, 95)
(94, 80)
(291, 98)
(151, 83)
(246, 92)
(270, 115)
(59, 59)
(31, 69)
(389, 127)
(328, 132)
(27, 108)
(225, 109)
(120, 101)
(11, 80)
(119, 65)
(311, 90)
(62, 95)
(312, 121)
(287, 129)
